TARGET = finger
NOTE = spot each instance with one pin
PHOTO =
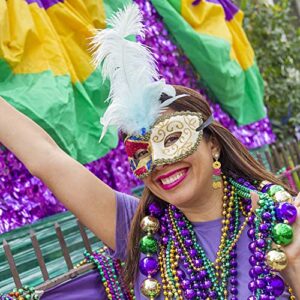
(297, 204)
(297, 200)
(254, 200)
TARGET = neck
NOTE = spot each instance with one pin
(206, 208)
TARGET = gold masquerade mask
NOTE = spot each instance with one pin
(171, 138)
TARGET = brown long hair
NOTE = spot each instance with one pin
(235, 159)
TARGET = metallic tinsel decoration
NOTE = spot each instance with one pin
(24, 199)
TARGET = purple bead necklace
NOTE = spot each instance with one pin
(185, 269)
(270, 224)
(202, 278)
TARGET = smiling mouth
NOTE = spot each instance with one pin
(172, 179)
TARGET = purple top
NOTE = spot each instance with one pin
(208, 234)
(87, 286)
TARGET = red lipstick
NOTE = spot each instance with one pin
(168, 186)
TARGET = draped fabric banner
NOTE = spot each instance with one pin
(46, 70)
(25, 199)
(211, 35)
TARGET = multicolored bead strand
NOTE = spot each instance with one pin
(24, 293)
(149, 246)
(270, 224)
(205, 279)
(110, 271)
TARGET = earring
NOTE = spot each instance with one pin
(216, 178)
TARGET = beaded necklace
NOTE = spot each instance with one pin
(24, 293)
(204, 279)
(201, 278)
(110, 271)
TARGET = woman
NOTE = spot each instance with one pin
(188, 185)
(199, 237)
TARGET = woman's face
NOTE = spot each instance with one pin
(184, 182)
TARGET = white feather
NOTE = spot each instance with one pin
(135, 86)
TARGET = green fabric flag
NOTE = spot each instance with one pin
(46, 70)
(211, 36)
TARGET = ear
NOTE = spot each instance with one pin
(214, 146)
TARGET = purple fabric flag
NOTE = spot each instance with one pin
(229, 8)
(44, 3)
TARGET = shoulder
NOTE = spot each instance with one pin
(126, 197)
(126, 207)
(126, 204)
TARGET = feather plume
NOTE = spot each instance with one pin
(135, 85)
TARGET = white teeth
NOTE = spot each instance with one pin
(172, 178)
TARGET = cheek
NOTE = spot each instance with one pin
(153, 187)
(149, 183)
(146, 181)
(201, 164)
(155, 191)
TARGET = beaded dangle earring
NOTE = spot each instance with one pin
(216, 178)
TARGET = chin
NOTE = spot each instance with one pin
(180, 202)
(180, 197)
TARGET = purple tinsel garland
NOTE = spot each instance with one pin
(25, 199)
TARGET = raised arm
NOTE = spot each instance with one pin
(90, 199)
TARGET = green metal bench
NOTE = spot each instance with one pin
(24, 255)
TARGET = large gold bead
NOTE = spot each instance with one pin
(277, 260)
(150, 288)
(283, 196)
(150, 224)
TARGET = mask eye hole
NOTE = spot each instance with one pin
(140, 154)
(172, 138)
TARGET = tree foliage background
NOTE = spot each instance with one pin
(274, 33)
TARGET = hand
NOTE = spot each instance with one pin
(292, 273)
(293, 250)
